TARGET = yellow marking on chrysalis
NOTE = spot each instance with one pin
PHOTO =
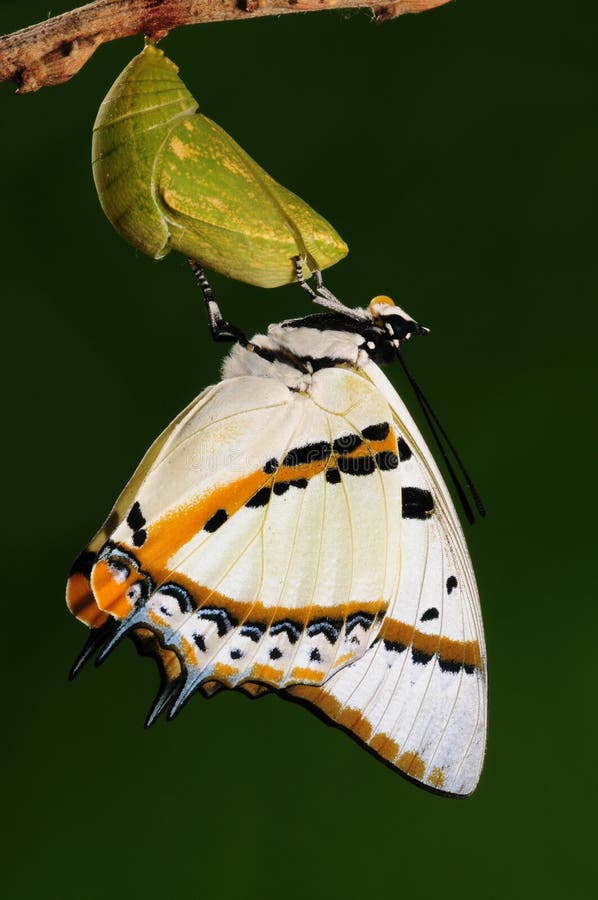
(384, 746)
(266, 673)
(436, 778)
(412, 764)
(181, 150)
(303, 674)
(464, 652)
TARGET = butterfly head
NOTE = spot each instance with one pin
(394, 321)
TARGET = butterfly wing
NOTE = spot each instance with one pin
(257, 542)
(417, 698)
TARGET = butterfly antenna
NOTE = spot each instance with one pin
(434, 424)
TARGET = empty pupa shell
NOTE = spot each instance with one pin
(169, 178)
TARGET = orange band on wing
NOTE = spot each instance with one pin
(465, 652)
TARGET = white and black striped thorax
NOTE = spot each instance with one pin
(293, 350)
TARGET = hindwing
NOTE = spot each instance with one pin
(258, 541)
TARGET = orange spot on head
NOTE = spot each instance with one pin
(380, 300)
(384, 746)
(412, 764)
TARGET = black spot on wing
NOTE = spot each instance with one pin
(218, 519)
(450, 665)
(451, 583)
(222, 619)
(429, 614)
(235, 654)
(253, 630)
(199, 642)
(395, 646)
(333, 476)
(299, 483)
(140, 537)
(356, 465)
(386, 460)
(404, 450)
(315, 655)
(330, 628)
(281, 487)
(418, 656)
(417, 503)
(271, 466)
(135, 518)
(359, 618)
(275, 653)
(260, 498)
(286, 626)
(309, 453)
(347, 443)
(376, 432)
(183, 598)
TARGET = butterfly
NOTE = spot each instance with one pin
(290, 531)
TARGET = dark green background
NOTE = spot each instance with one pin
(456, 153)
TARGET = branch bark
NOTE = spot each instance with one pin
(53, 51)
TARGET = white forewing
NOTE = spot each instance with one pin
(418, 696)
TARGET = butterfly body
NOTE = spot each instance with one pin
(290, 531)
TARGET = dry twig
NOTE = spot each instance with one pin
(53, 51)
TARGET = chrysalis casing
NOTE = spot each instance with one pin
(170, 178)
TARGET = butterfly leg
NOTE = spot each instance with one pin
(321, 295)
(220, 329)
(301, 280)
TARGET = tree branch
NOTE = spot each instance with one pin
(53, 51)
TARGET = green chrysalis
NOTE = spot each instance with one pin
(170, 178)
